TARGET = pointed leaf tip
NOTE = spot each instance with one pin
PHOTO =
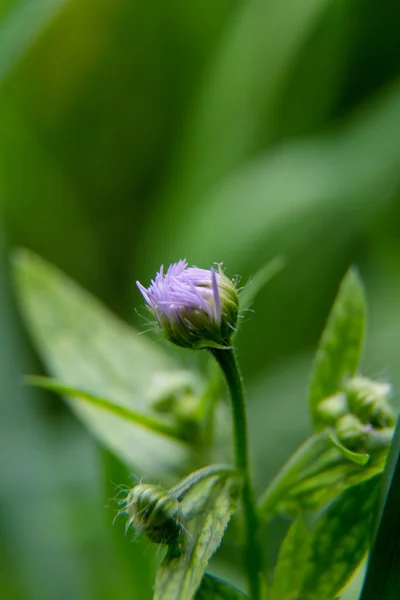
(340, 346)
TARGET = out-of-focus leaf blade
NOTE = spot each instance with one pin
(257, 51)
(260, 279)
(279, 199)
(339, 541)
(180, 574)
(292, 561)
(316, 76)
(104, 404)
(214, 588)
(383, 573)
(340, 346)
(20, 26)
(46, 187)
(84, 346)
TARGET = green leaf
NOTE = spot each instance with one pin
(382, 579)
(181, 572)
(292, 561)
(87, 348)
(316, 474)
(338, 542)
(20, 27)
(214, 588)
(260, 279)
(104, 404)
(181, 489)
(356, 457)
(340, 346)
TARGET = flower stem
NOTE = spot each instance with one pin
(227, 360)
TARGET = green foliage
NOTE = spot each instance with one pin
(325, 466)
(325, 470)
(20, 25)
(260, 279)
(214, 588)
(88, 349)
(315, 475)
(182, 569)
(162, 515)
(338, 542)
(226, 131)
(104, 404)
(340, 347)
(334, 183)
(292, 561)
(256, 55)
(382, 579)
(217, 472)
(317, 563)
(322, 471)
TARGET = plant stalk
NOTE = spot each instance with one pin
(253, 558)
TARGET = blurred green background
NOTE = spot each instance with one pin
(134, 134)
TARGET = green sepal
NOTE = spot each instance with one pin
(359, 458)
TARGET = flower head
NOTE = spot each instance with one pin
(196, 308)
(155, 512)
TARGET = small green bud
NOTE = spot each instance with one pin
(185, 411)
(332, 408)
(161, 514)
(154, 511)
(369, 400)
(350, 431)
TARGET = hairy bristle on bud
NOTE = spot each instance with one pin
(155, 512)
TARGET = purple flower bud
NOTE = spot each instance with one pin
(195, 308)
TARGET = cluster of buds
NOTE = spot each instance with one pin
(195, 308)
(360, 414)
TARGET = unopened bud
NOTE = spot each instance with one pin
(332, 408)
(369, 400)
(350, 431)
(195, 308)
(155, 512)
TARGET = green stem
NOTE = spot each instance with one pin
(227, 360)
